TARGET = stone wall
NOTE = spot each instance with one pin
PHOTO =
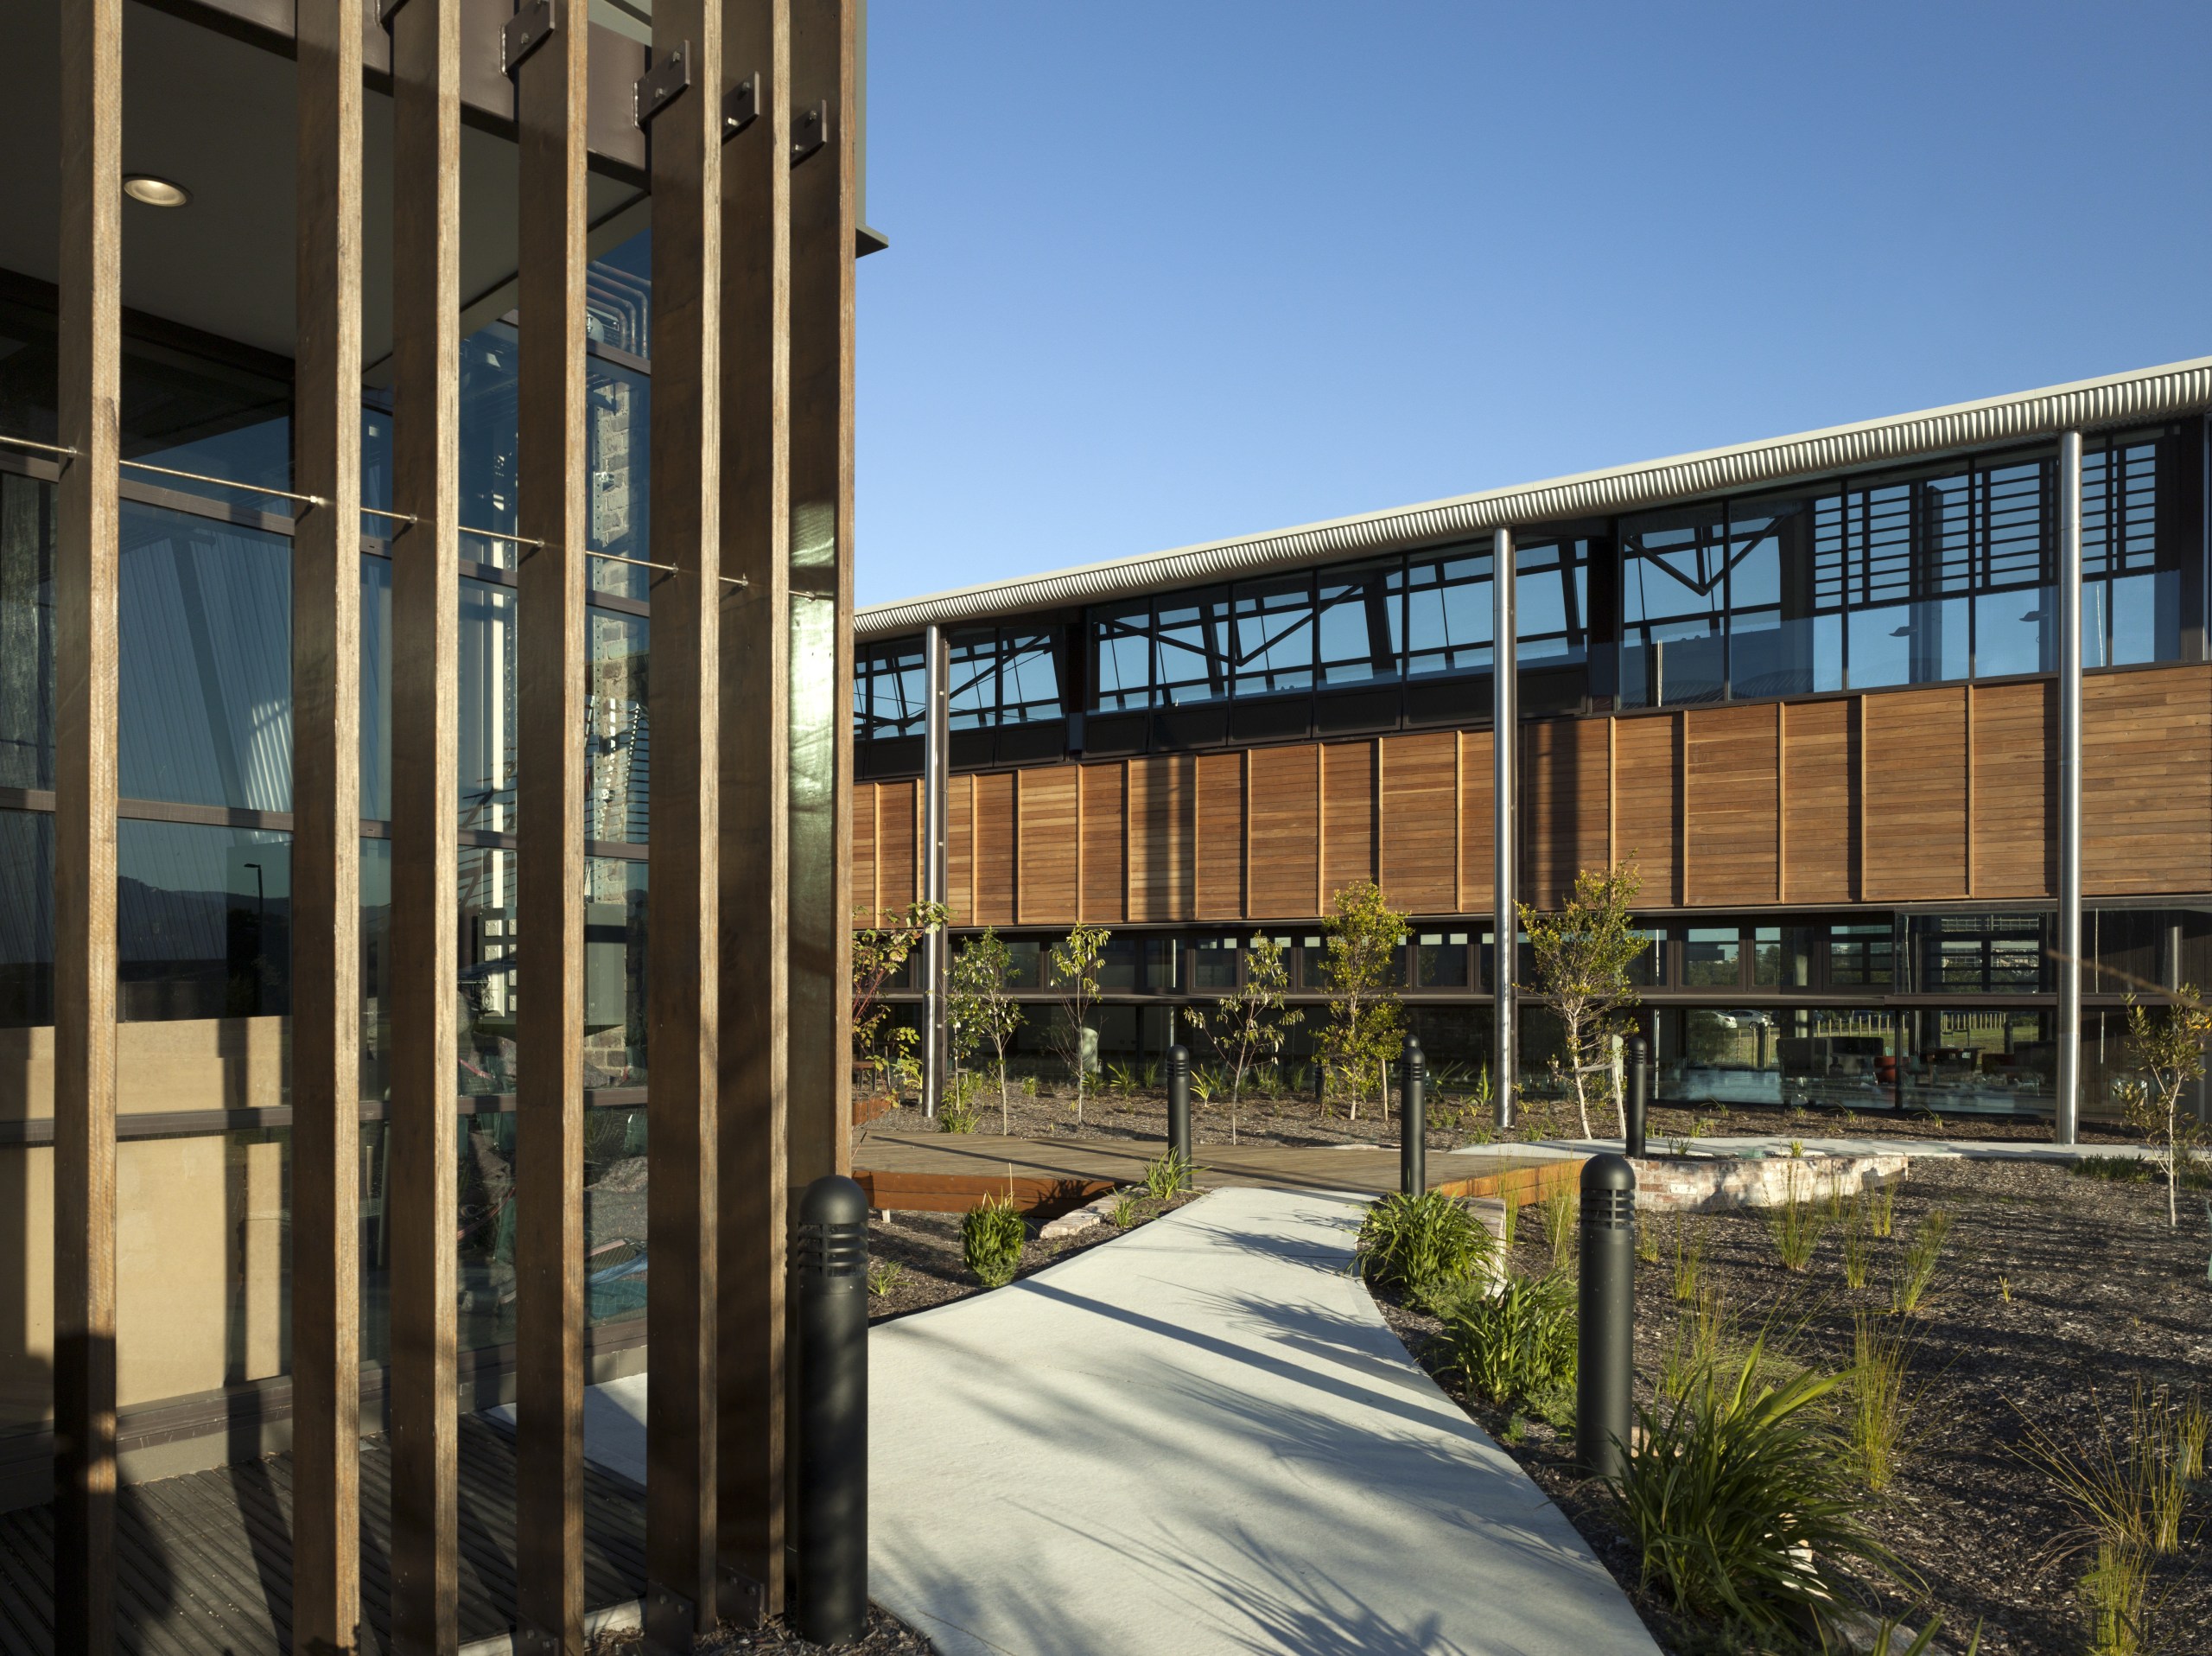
(1704, 1184)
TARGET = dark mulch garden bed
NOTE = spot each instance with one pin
(886, 1635)
(926, 1249)
(2056, 1296)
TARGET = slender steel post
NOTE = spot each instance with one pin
(1639, 1091)
(1606, 1331)
(936, 963)
(86, 569)
(425, 824)
(1505, 724)
(829, 1526)
(1413, 1120)
(2066, 1115)
(1178, 1103)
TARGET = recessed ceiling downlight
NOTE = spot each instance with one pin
(154, 191)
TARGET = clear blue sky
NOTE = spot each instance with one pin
(1161, 273)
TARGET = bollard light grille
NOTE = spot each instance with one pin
(830, 1250)
(1608, 1210)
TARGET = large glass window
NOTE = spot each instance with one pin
(1274, 635)
(26, 632)
(890, 690)
(994, 676)
(618, 727)
(1361, 625)
(203, 921)
(1190, 639)
(1712, 958)
(1978, 954)
(1859, 956)
(26, 918)
(1448, 614)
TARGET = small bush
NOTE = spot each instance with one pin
(1515, 1344)
(1427, 1245)
(1916, 1268)
(991, 1235)
(1739, 1500)
(1169, 1176)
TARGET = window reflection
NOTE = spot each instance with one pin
(26, 632)
(203, 921)
(26, 918)
(617, 728)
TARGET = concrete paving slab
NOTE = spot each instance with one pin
(1202, 1438)
(614, 1425)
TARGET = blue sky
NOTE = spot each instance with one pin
(1164, 273)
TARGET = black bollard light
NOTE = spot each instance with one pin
(1413, 1120)
(1606, 1338)
(1178, 1102)
(830, 1520)
(1639, 1092)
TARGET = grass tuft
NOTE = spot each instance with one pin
(1881, 1406)
(1691, 1243)
(1170, 1176)
(1858, 1245)
(1796, 1223)
(1558, 1209)
(885, 1277)
(1883, 1210)
(1922, 1259)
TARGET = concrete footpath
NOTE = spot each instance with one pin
(1202, 1438)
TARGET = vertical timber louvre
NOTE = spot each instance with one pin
(326, 843)
(425, 819)
(552, 465)
(87, 551)
(755, 800)
(682, 925)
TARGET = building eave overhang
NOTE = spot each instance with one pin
(2145, 394)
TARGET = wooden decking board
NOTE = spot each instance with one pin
(205, 1559)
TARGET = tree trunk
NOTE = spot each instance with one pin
(1006, 1108)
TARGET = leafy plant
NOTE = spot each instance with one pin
(1558, 1208)
(1739, 1501)
(1169, 1176)
(1427, 1246)
(1586, 957)
(957, 1111)
(881, 947)
(1359, 969)
(1249, 1026)
(884, 1278)
(1074, 961)
(2170, 1051)
(1881, 1406)
(1515, 1343)
(1796, 1223)
(1125, 1211)
(983, 1016)
(1918, 1266)
(991, 1235)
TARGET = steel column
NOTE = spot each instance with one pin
(425, 823)
(552, 508)
(755, 804)
(935, 948)
(2067, 1114)
(684, 920)
(85, 571)
(1505, 724)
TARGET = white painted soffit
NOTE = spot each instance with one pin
(2088, 405)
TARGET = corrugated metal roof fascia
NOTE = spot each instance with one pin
(2090, 405)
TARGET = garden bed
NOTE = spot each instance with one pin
(886, 1635)
(2054, 1296)
(1143, 1115)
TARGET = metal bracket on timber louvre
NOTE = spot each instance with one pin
(658, 88)
(530, 27)
(742, 107)
(810, 130)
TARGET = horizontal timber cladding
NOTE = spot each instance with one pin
(2015, 790)
(1819, 802)
(2146, 781)
(1285, 851)
(1732, 804)
(959, 850)
(996, 847)
(1163, 797)
(898, 844)
(1347, 817)
(1916, 782)
(1566, 805)
(1048, 824)
(1218, 836)
(1648, 802)
(1418, 821)
(1947, 794)
(1105, 843)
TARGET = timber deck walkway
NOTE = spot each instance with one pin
(950, 1172)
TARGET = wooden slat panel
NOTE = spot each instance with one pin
(1478, 833)
(683, 929)
(1220, 836)
(326, 839)
(897, 825)
(86, 570)
(1347, 816)
(1046, 799)
(1647, 801)
(1105, 844)
(1565, 805)
(996, 836)
(755, 871)
(1915, 791)
(960, 849)
(421, 1184)
(2146, 781)
(865, 887)
(1420, 822)
(1733, 815)
(1821, 802)
(1162, 858)
(2015, 790)
(1285, 831)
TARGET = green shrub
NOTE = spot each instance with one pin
(1169, 1177)
(991, 1235)
(1519, 1342)
(1727, 1490)
(1425, 1246)
(884, 1277)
